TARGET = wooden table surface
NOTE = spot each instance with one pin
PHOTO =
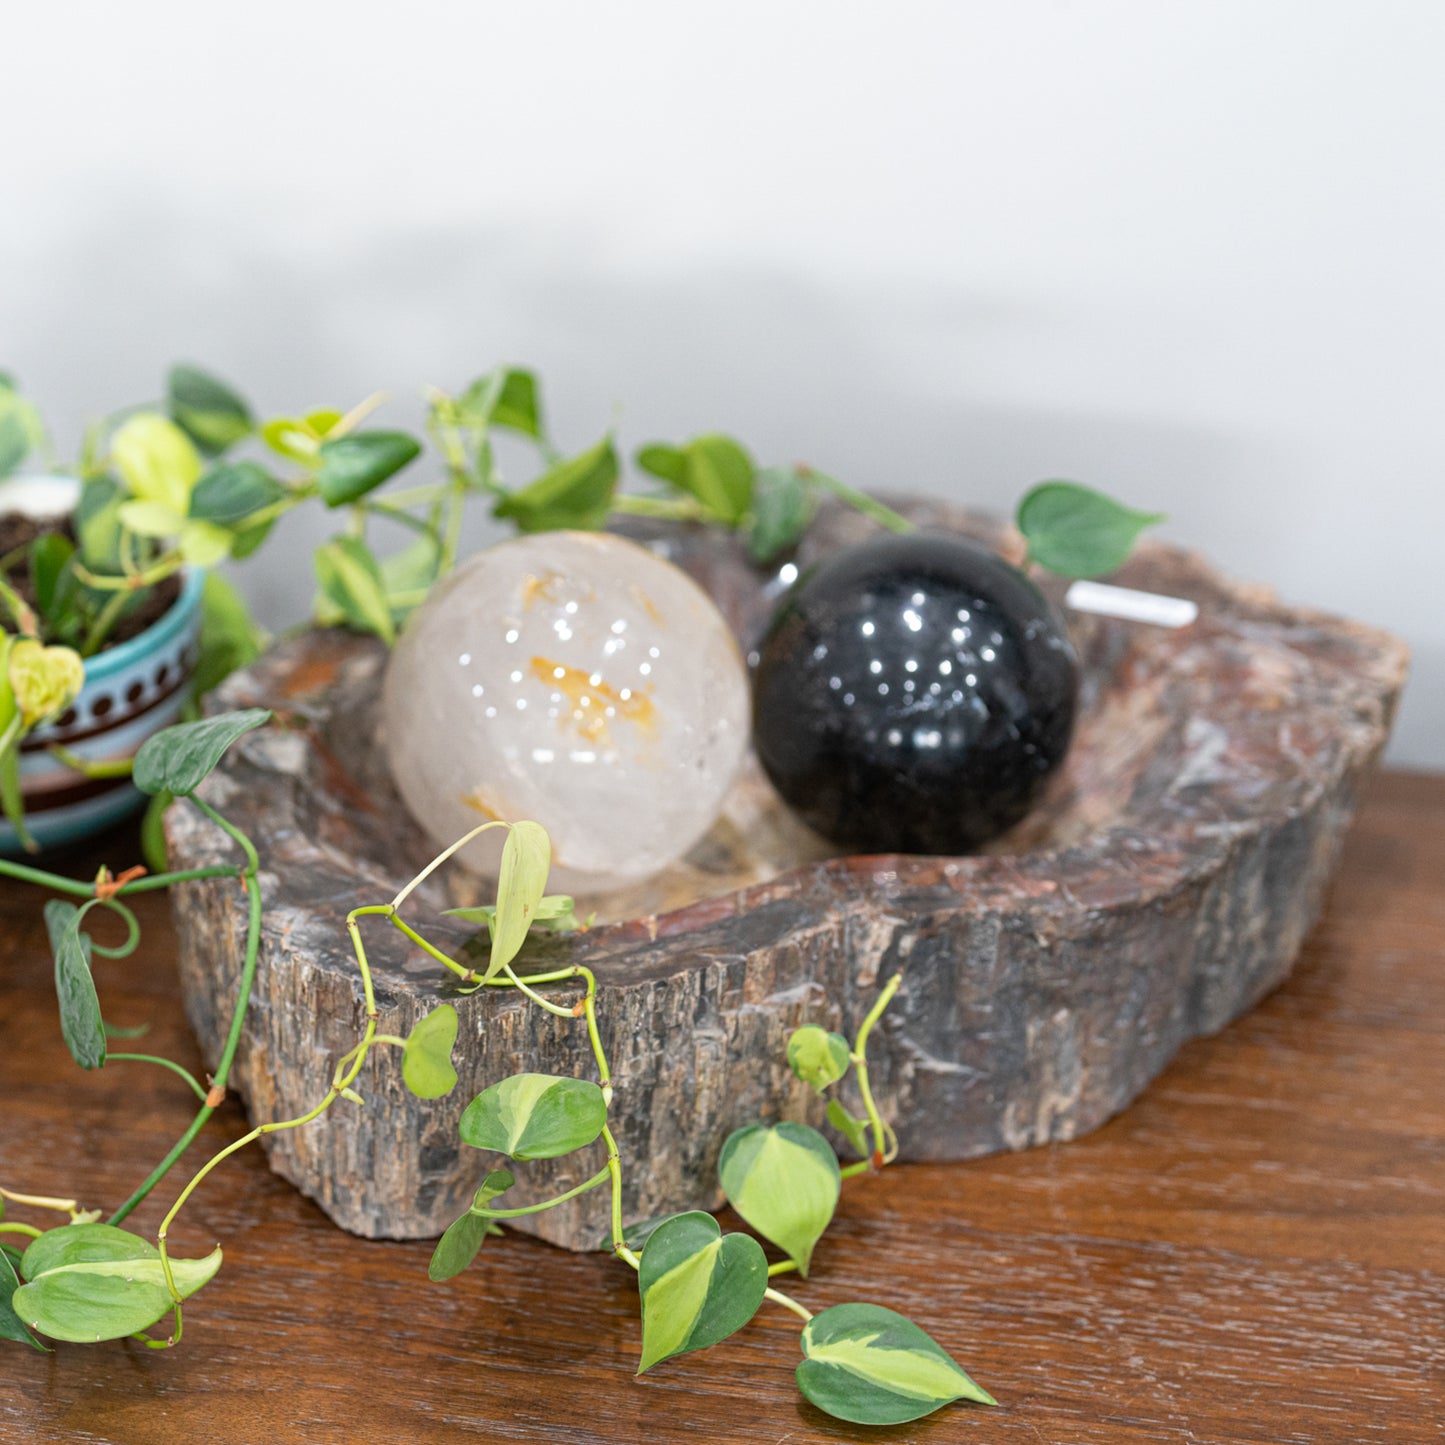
(1254, 1252)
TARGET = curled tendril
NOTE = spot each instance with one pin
(132, 924)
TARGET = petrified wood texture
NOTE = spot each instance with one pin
(1161, 890)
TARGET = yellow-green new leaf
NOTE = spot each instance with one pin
(817, 1057)
(43, 680)
(784, 1181)
(156, 460)
(204, 544)
(108, 1299)
(292, 438)
(521, 885)
(697, 1286)
(872, 1366)
(151, 519)
(426, 1063)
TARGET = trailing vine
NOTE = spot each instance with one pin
(89, 1280)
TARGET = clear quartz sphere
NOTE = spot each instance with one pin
(575, 679)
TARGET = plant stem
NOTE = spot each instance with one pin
(41, 1201)
(783, 1266)
(673, 509)
(132, 924)
(105, 622)
(26, 623)
(174, 1067)
(859, 501)
(152, 881)
(561, 1010)
(90, 767)
(600, 1177)
(440, 859)
(16, 1228)
(779, 1298)
(429, 948)
(860, 1063)
(23, 874)
(238, 1016)
(342, 1080)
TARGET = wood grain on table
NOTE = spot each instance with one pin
(1254, 1252)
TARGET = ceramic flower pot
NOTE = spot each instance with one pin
(131, 691)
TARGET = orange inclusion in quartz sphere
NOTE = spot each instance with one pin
(575, 679)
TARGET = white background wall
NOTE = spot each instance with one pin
(1190, 252)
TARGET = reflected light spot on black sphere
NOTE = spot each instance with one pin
(913, 694)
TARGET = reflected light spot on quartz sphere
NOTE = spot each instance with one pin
(877, 761)
(626, 773)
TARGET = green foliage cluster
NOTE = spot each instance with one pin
(166, 487)
(90, 1280)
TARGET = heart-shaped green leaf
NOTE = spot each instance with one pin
(521, 885)
(230, 638)
(458, 1247)
(871, 1366)
(817, 1057)
(698, 1285)
(207, 410)
(715, 470)
(784, 1181)
(229, 493)
(719, 473)
(853, 1129)
(1075, 531)
(69, 1244)
(50, 575)
(507, 398)
(350, 579)
(12, 1327)
(535, 1116)
(107, 1299)
(352, 466)
(407, 575)
(662, 460)
(575, 493)
(177, 759)
(782, 509)
(80, 1021)
(156, 460)
(426, 1063)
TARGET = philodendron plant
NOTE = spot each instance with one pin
(91, 1279)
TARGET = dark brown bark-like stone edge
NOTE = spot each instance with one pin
(1162, 889)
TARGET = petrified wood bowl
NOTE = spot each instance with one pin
(1161, 889)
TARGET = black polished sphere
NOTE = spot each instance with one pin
(913, 694)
